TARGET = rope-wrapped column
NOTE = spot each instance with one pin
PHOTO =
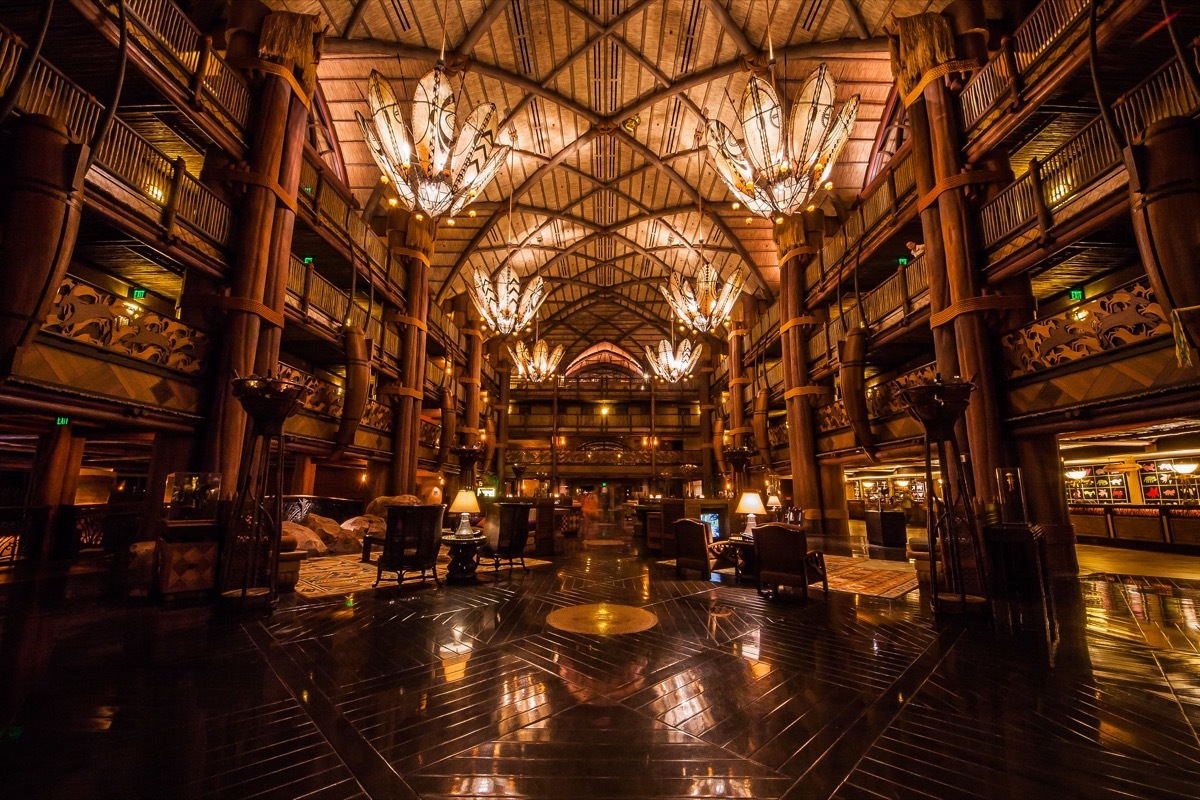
(797, 236)
(708, 472)
(410, 239)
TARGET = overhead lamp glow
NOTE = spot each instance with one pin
(1077, 474)
(434, 165)
(775, 170)
(538, 364)
(708, 303)
(673, 365)
(504, 306)
(1184, 467)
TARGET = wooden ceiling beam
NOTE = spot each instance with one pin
(856, 19)
(723, 18)
(355, 15)
(490, 14)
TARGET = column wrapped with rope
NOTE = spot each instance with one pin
(708, 473)
(923, 56)
(279, 52)
(410, 239)
(798, 236)
(470, 448)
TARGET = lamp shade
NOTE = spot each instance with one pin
(774, 502)
(751, 503)
(465, 502)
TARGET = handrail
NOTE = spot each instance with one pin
(1078, 162)
(124, 153)
(1044, 26)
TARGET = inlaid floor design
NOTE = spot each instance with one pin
(465, 692)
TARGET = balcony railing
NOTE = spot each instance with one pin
(763, 330)
(601, 387)
(1032, 39)
(161, 28)
(897, 294)
(611, 458)
(613, 423)
(891, 192)
(1087, 156)
(124, 154)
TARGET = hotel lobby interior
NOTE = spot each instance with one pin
(628, 399)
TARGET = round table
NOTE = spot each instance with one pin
(464, 557)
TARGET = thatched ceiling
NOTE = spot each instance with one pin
(604, 207)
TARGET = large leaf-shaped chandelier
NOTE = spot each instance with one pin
(538, 364)
(433, 167)
(706, 306)
(776, 171)
(506, 307)
(673, 364)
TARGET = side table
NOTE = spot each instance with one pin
(464, 557)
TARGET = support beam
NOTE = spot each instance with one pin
(856, 19)
(490, 14)
(740, 41)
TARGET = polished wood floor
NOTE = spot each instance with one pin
(465, 692)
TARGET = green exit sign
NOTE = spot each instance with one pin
(1076, 294)
(902, 262)
(60, 421)
(308, 259)
(138, 294)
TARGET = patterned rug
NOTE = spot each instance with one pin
(873, 577)
(340, 575)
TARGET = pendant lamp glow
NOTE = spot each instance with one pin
(776, 170)
(433, 167)
(538, 365)
(706, 306)
(673, 365)
(504, 306)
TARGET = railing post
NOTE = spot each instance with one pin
(308, 276)
(1044, 218)
(171, 209)
(905, 300)
(196, 84)
(1015, 84)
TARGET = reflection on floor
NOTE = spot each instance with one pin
(1123, 561)
(466, 692)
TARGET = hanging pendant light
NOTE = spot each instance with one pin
(775, 170)
(538, 364)
(673, 364)
(434, 168)
(707, 303)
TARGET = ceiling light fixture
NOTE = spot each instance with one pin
(435, 167)
(776, 170)
(538, 364)
(674, 364)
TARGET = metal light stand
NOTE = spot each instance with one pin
(938, 406)
(250, 561)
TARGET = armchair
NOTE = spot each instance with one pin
(507, 530)
(785, 560)
(411, 542)
(692, 538)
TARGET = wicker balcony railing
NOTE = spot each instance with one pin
(124, 154)
(1087, 156)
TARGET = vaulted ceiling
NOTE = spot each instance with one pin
(606, 98)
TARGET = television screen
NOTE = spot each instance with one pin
(714, 521)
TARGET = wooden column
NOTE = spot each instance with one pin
(263, 243)
(738, 429)
(472, 382)
(708, 471)
(554, 437)
(835, 514)
(56, 477)
(796, 236)
(504, 375)
(1046, 499)
(654, 485)
(410, 239)
(972, 337)
(304, 475)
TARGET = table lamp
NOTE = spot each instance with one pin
(750, 504)
(466, 504)
(774, 504)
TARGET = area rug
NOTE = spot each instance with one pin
(345, 574)
(872, 577)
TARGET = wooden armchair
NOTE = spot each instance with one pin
(411, 542)
(692, 538)
(785, 560)
(507, 532)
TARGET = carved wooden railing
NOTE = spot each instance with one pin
(1122, 318)
(124, 154)
(162, 29)
(896, 297)
(583, 458)
(85, 314)
(1086, 157)
(883, 400)
(765, 330)
(592, 388)
(877, 206)
(613, 423)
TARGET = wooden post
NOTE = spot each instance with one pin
(1045, 220)
(654, 485)
(796, 236)
(972, 337)
(411, 239)
(708, 472)
(554, 438)
(504, 375)
(304, 475)
(171, 208)
(737, 379)
(1046, 499)
(55, 478)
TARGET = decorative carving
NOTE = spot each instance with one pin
(83, 313)
(831, 417)
(430, 434)
(1130, 315)
(377, 417)
(883, 400)
(324, 399)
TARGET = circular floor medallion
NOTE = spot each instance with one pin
(602, 619)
